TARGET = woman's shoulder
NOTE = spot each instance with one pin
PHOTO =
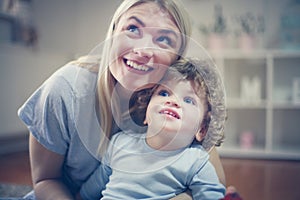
(72, 78)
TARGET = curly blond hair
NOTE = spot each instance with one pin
(208, 85)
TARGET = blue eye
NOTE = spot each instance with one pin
(165, 40)
(164, 93)
(133, 29)
(189, 100)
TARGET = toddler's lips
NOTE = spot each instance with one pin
(170, 112)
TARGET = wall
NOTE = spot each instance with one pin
(202, 12)
(23, 69)
(71, 28)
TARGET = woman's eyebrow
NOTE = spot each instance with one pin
(163, 31)
(169, 31)
(137, 20)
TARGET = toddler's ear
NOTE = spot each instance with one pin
(200, 135)
(145, 122)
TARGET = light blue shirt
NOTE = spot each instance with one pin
(134, 170)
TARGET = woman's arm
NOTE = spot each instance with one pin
(215, 160)
(46, 170)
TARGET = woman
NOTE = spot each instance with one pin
(69, 113)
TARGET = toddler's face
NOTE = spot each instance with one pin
(175, 113)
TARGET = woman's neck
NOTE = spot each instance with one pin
(124, 96)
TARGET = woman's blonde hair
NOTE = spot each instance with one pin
(106, 82)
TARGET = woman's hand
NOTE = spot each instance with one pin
(183, 196)
(231, 194)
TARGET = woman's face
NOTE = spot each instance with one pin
(146, 41)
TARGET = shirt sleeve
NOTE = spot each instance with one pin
(47, 114)
(205, 184)
(93, 187)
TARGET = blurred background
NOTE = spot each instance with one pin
(255, 44)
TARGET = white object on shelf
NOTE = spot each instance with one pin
(250, 89)
(296, 90)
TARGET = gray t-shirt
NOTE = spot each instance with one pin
(61, 115)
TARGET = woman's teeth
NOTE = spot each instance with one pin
(136, 66)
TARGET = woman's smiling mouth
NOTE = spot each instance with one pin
(136, 66)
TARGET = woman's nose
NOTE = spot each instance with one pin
(145, 46)
(146, 52)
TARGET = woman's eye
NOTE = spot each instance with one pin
(163, 93)
(133, 29)
(189, 100)
(165, 40)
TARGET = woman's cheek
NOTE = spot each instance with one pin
(167, 57)
(121, 45)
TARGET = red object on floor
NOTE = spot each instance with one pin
(232, 196)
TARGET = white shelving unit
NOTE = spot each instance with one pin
(268, 115)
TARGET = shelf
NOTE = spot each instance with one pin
(242, 153)
(287, 152)
(259, 153)
(255, 54)
(260, 103)
(285, 105)
(237, 103)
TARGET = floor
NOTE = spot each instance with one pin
(254, 179)
(15, 168)
(264, 179)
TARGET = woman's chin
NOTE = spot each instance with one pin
(145, 86)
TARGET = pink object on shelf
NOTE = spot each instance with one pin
(247, 139)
